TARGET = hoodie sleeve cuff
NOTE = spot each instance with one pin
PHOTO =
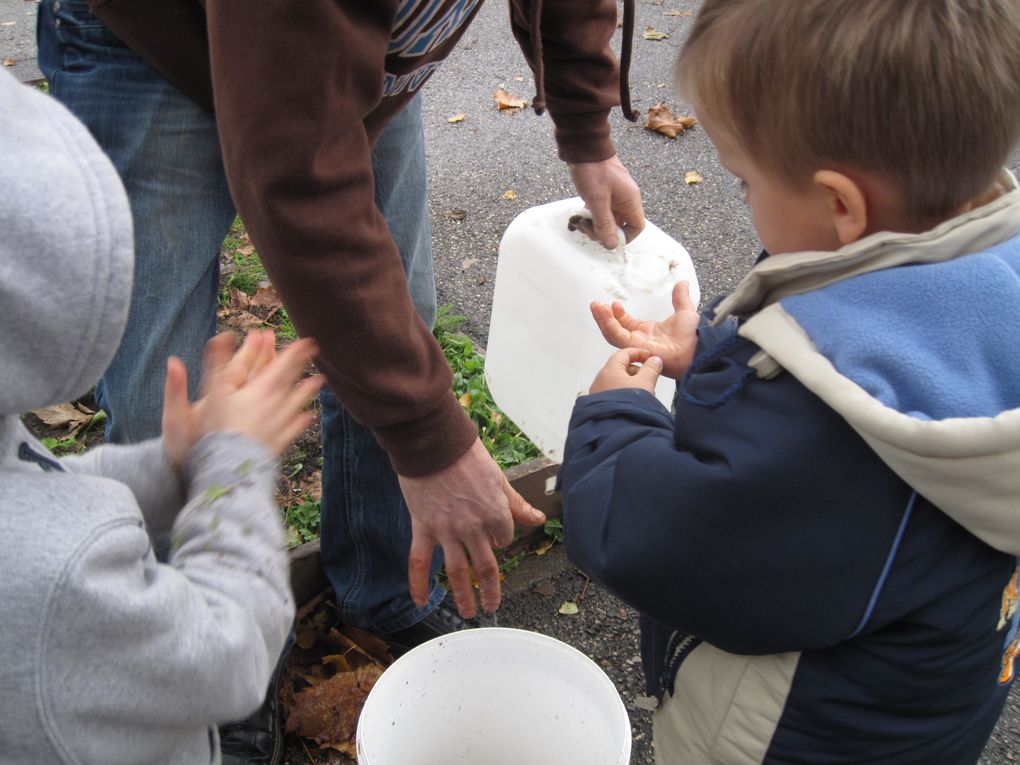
(431, 443)
(583, 137)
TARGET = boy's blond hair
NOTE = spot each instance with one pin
(925, 94)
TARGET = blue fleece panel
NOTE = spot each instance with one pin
(909, 329)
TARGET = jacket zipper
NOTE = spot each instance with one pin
(678, 649)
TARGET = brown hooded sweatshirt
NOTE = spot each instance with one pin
(300, 91)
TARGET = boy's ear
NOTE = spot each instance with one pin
(847, 204)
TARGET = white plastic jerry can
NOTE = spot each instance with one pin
(544, 347)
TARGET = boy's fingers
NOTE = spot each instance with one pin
(650, 371)
(610, 328)
(627, 356)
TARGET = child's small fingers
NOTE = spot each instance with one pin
(291, 431)
(290, 363)
(266, 352)
(303, 393)
(175, 390)
(216, 356)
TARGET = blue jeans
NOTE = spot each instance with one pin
(167, 152)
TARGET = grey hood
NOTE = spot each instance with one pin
(66, 252)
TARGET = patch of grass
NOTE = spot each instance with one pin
(504, 440)
(245, 268)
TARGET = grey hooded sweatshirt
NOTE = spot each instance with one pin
(106, 655)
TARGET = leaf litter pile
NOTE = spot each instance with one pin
(328, 675)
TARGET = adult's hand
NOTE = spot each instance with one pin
(469, 508)
(612, 196)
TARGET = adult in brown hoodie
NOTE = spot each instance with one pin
(297, 147)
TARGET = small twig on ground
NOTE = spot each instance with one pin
(307, 753)
(584, 589)
(314, 603)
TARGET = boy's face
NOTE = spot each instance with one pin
(786, 218)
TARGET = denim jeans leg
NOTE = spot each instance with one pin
(366, 528)
(167, 153)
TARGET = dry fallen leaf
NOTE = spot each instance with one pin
(678, 13)
(327, 711)
(506, 101)
(467, 263)
(72, 415)
(546, 545)
(465, 400)
(265, 297)
(455, 214)
(569, 608)
(692, 177)
(457, 117)
(509, 194)
(9, 62)
(661, 120)
(653, 34)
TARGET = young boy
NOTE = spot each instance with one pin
(106, 655)
(822, 539)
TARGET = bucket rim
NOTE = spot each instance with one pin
(513, 633)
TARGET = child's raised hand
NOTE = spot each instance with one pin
(623, 371)
(254, 391)
(673, 340)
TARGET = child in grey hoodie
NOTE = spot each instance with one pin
(106, 655)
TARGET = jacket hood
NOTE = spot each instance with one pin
(66, 252)
(912, 339)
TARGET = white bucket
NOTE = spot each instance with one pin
(494, 696)
(544, 348)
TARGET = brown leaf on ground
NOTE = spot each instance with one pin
(456, 118)
(72, 415)
(506, 101)
(327, 711)
(661, 120)
(240, 321)
(455, 214)
(651, 33)
(265, 297)
(678, 13)
(372, 645)
(9, 62)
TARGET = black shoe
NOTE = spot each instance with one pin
(443, 620)
(257, 740)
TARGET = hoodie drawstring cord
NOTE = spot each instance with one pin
(626, 51)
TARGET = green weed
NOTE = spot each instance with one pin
(504, 440)
(75, 444)
(302, 521)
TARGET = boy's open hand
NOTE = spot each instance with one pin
(255, 391)
(629, 368)
(673, 340)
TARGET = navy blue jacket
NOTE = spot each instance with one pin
(756, 522)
